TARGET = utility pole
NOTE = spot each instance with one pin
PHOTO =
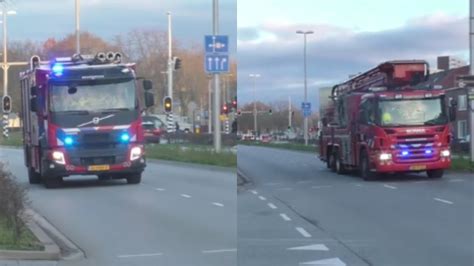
(170, 127)
(305, 33)
(471, 72)
(255, 126)
(217, 121)
(289, 111)
(209, 116)
(78, 32)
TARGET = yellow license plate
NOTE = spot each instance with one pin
(104, 167)
(417, 167)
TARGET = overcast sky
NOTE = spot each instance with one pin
(350, 37)
(192, 19)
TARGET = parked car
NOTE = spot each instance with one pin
(154, 129)
(266, 138)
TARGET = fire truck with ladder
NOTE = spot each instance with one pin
(380, 122)
(82, 116)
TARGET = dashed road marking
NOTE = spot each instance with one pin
(443, 201)
(139, 255)
(456, 180)
(254, 192)
(420, 182)
(218, 204)
(303, 182)
(271, 205)
(303, 232)
(262, 198)
(285, 217)
(219, 251)
(331, 261)
(159, 189)
(358, 185)
(311, 247)
(389, 186)
(317, 187)
(185, 196)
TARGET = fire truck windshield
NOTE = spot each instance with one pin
(93, 97)
(411, 112)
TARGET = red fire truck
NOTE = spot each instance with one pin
(380, 122)
(82, 116)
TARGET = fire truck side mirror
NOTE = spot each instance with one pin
(452, 110)
(34, 91)
(147, 85)
(149, 99)
(33, 104)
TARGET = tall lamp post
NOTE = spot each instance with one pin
(78, 32)
(254, 77)
(305, 33)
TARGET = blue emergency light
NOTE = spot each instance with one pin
(68, 141)
(405, 153)
(428, 151)
(57, 69)
(124, 137)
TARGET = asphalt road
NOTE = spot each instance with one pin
(296, 212)
(179, 215)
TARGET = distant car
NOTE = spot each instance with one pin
(153, 128)
(266, 138)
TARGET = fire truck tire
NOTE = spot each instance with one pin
(52, 182)
(437, 173)
(364, 168)
(340, 170)
(134, 179)
(332, 161)
(33, 176)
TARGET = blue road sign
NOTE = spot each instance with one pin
(306, 107)
(216, 44)
(215, 63)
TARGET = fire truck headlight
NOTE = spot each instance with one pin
(135, 153)
(58, 157)
(445, 153)
(385, 156)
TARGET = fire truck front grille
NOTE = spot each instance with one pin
(415, 148)
(98, 160)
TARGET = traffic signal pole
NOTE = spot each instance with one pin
(170, 127)
(217, 121)
(471, 72)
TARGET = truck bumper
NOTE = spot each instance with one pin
(387, 167)
(53, 169)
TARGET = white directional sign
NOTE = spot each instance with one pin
(217, 63)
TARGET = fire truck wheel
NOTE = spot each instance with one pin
(364, 170)
(52, 182)
(134, 179)
(339, 166)
(438, 173)
(33, 176)
(332, 161)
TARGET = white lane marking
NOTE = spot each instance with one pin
(456, 180)
(219, 251)
(218, 204)
(139, 255)
(254, 192)
(185, 196)
(420, 182)
(303, 182)
(159, 189)
(311, 247)
(389, 186)
(303, 232)
(262, 198)
(443, 201)
(327, 262)
(271, 205)
(358, 185)
(326, 186)
(285, 217)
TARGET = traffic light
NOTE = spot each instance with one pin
(177, 63)
(225, 109)
(234, 103)
(7, 104)
(168, 104)
(270, 111)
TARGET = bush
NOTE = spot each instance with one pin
(12, 201)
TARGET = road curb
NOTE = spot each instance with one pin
(51, 249)
(68, 250)
(193, 165)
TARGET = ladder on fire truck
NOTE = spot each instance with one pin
(390, 75)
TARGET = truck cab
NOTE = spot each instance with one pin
(82, 116)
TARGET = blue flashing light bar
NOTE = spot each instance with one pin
(428, 151)
(405, 153)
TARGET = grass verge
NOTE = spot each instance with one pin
(14, 139)
(27, 240)
(192, 154)
(462, 163)
(286, 146)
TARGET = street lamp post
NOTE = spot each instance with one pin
(254, 76)
(78, 32)
(305, 33)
